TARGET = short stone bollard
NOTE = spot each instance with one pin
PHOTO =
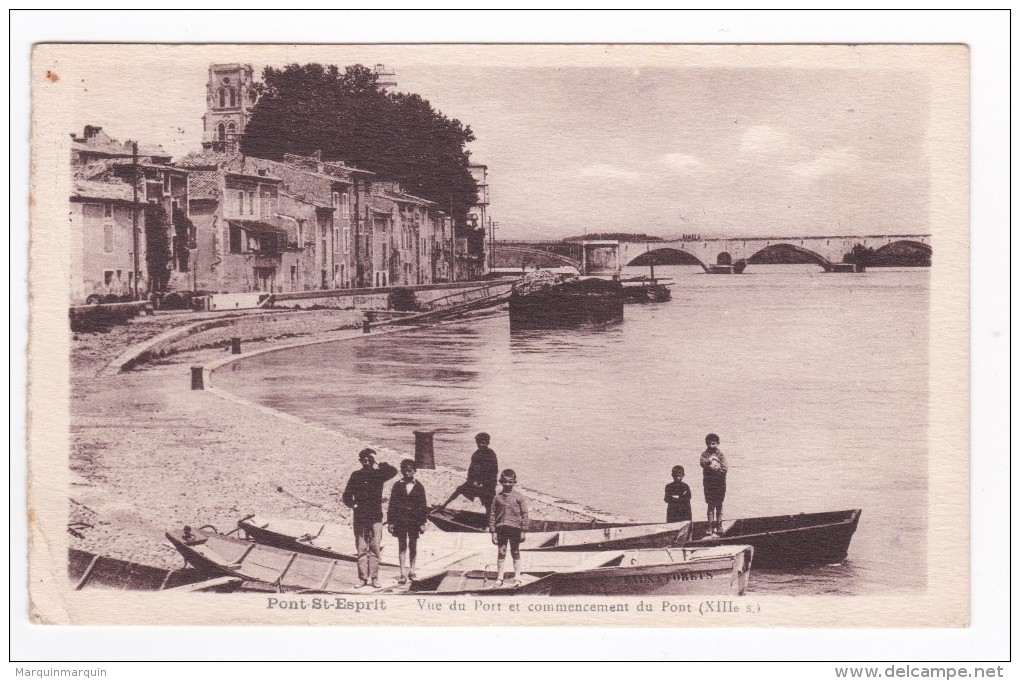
(235, 346)
(197, 378)
(424, 456)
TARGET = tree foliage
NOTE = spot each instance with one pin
(305, 108)
(157, 246)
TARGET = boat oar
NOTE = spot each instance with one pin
(294, 496)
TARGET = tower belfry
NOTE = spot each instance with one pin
(230, 96)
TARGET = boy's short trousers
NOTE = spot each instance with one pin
(509, 534)
(715, 492)
(470, 491)
(406, 531)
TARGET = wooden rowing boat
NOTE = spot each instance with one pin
(722, 570)
(337, 541)
(786, 541)
(473, 521)
(88, 571)
(268, 568)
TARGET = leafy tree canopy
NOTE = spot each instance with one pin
(398, 136)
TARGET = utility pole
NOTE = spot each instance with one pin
(492, 242)
(453, 244)
(134, 213)
(357, 234)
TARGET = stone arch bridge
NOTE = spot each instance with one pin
(726, 254)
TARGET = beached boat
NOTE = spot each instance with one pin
(474, 521)
(337, 541)
(268, 568)
(786, 541)
(722, 570)
(580, 302)
(87, 571)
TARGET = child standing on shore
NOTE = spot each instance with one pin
(713, 464)
(678, 497)
(507, 521)
(407, 515)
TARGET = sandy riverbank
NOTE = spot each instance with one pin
(149, 454)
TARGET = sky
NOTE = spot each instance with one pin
(663, 147)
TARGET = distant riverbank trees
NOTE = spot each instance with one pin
(306, 108)
(614, 236)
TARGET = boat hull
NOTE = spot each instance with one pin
(336, 541)
(790, 541)
(650, 572)
(87, 571)
(268, 568)
(646, 293)
(473, 521)
(780, 542)
(587, 303)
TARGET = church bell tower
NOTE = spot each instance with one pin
(230, 96)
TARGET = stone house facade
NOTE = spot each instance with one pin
(104, 267)
(121, 202)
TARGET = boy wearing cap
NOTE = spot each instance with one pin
(713, 465)
(364, 494)
(507, 521)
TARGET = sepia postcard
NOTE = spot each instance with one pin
(499, 335)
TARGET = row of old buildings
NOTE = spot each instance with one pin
(220, 221)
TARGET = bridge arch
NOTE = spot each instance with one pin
(666, 256)
(903, 252)
(530, 258)
(787, 254)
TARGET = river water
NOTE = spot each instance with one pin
(816, 384)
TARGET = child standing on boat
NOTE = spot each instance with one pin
(407, 515)
(507, 521)
(481, 478)
(678, 497)
(713, 465)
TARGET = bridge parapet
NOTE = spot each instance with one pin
(829, 252)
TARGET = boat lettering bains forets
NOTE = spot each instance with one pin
(786, 541)
(722, 570)
(337, 541)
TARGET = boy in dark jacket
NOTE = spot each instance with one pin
(407, 516)
(678, 497)
(364, 494)
(481, 478)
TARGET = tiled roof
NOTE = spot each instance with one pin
(95, 169)
(407, 198)
(111, 191)
(203, 184)
(208, 158)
